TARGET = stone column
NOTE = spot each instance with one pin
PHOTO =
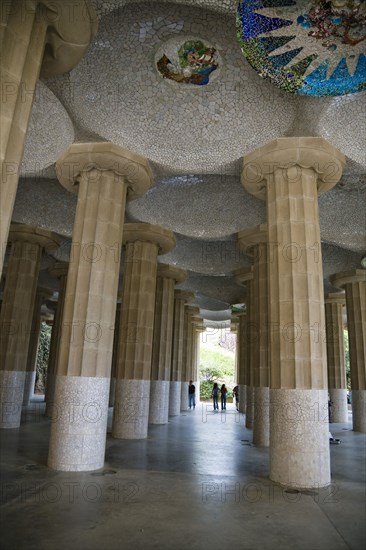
(244, 277)
(143, 243)
(337, 383)
(289, 173)
(255, 241)
(16, 315)
(36, 36)
(241, 349)
(112, 387)
(181, 298)
(187, 369)
(59, 271)
(198, 329)
(167, 278)
(30, 372)
(354, 283)
(103, 175)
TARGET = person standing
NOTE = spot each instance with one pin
(191, 395)
(215, 396)
(223, 391)
(236, 396)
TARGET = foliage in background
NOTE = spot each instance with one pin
(217, 362)
(346, 359)
(42, 358)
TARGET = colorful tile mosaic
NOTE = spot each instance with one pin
(192, 63)
(314, 47)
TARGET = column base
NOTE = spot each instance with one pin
(242, 398)
(249, 409)
(159, 402)
(299, 438)
(339, 410)
(79, 423)
(174, 398)
(11, 397)
(359, 410)
(131, 409)
(30, 380)
(184, 396)
(261, 417)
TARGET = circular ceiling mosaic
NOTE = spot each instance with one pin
(308, 47)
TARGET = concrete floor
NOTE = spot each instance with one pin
(195, 483)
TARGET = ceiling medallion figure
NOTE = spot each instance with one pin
(308, 47)
(189, 63)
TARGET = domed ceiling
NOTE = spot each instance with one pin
(168, 80)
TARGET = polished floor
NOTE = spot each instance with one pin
(195, 483)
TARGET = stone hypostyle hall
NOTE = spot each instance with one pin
(171, 169)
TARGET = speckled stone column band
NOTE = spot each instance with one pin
(289, 174)
(337, 383)
(299, 452)
(159, 401)
(11, 397)
(354, 283)
(174, 397)
(131, 409)
(79, 423)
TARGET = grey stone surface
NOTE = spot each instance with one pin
(131, 409)
(174, 398)
(159, 401)
(11, 397)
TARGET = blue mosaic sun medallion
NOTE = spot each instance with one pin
(307, 47)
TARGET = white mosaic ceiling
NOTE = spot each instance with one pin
(195, 138)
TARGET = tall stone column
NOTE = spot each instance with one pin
(143, 243)
(103, 175)
(167, 278)
(198, 329)
(30, 371)
(16, 315)
(187, 369)
(241, 349)
(181, 298)
(244, 277)
(37, 36)
(255, 241)
(337, 383)
(59, 271)
(112, 387)
(289, 173)
(354, 283)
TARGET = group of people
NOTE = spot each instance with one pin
(215, 396)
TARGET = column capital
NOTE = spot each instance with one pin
(146, 232)
(242, 276)
(286, 153)
(45, 239)
(339, 280)
(184, 295)
(58, 269)
(335, 298)
(192, 310)
(171, 272)
(90, 158)
(70, 30)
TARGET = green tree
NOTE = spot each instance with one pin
(42, 357)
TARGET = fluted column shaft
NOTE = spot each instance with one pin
(26, 28)
(60, 272)
(354, 283)
(168, 276)
(101, 174)
(143, 243)
(288, 173)
(180, 298)
(16, 317)
(337, 384)
(242, 361)
(186, 360)
(116, 333)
